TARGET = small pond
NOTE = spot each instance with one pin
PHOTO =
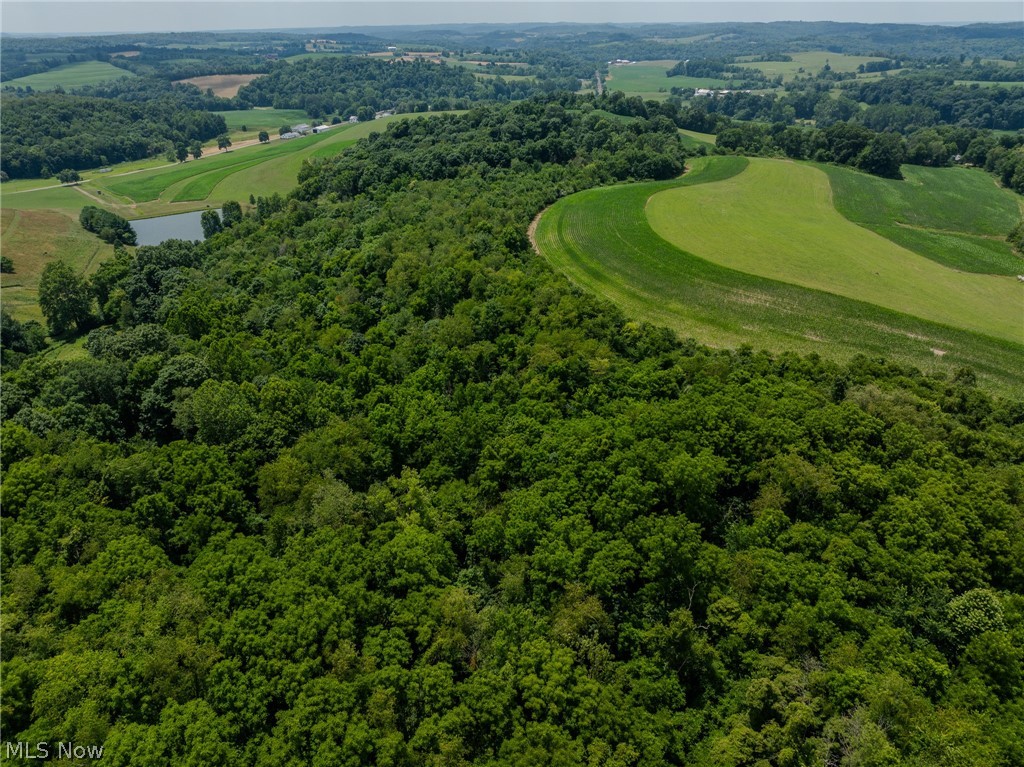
(180, 226)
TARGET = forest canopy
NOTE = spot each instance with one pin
(360, 480)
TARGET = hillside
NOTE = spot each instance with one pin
(362, 480)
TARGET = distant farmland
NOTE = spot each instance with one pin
(647, 79)
(221, 85)
(70, 76)
(727, 264)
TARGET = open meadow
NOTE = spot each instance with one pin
(809, 62)
(715, 285)
(647, 79)
(958, 217)
(71, 76)
(33, 238)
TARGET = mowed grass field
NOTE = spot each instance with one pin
(777, 220)
(33, 238)
(211, 180)
(647, 79)
(603, 241)
(232, 175)
(71, 76)
(263, 119)
(957, 217)
(811, 62)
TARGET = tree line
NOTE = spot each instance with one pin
(45, 133)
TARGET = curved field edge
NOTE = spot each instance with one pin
(777, 221)
(601, 241)
(958, 217)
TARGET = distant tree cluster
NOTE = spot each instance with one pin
(48, 132)
(109, 226)
(343, 85)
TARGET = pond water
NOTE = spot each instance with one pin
(180, 226)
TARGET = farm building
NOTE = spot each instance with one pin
(353, 119)
(321, 128)
(302, 129)
(290, 134)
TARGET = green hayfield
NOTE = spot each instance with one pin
(647, 79)
(216, 177)
(173, 184)
(263, 119)
(622, 259)
(693, 138)
(776, 220)
(955, 216)
(811, 62)
(58, 198)
(32, 238)
(71, 76)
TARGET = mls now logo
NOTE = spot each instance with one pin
(24, 750)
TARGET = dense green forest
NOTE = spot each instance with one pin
(45, 133)
(360, 480)
(343, 84)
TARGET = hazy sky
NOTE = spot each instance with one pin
(86, 17)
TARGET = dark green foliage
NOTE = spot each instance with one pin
(75, 132)
(109, 226)
(64, 298)
(346, 85)
(68, 176)
(361, 481)
(6, 265)
(211, 223)
(1016, 238)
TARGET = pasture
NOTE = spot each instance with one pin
(809, 63)
(221, 85)
(776, 220)
(71, 76)
(647, 79)
(625, 261)
(262, 118)
(32, 238)
(220, 176)
(957, 217)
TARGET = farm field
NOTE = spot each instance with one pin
(39, 223)
(222, 85)
(777, 220)
(626, 261)
(71, 76)
(647, 79)
(32, 238)
(216, 177)
(261, 118)
(810, 62)
(957, 217)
